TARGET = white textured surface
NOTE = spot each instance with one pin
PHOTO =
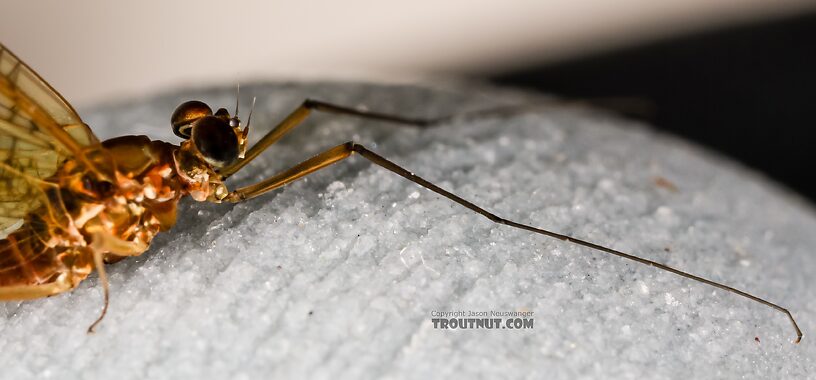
(337, 275)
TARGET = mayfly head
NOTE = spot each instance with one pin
(217, 139)
(212, 141)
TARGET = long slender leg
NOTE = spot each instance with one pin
(304, 168)
(318, 105)
(341, 152)
(494, 111)
(302, 112)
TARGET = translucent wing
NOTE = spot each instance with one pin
(38, 131)
(26, 260)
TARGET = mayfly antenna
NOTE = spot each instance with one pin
(237, 99)
(249, 118)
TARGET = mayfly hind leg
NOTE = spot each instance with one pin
(344, 151)
(103, 243)
(99, 264)
(65, 282)
(30, 292)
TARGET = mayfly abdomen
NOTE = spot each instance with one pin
(25, 259)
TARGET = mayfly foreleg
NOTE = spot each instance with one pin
(318, 105)
(300, 170)
(300, 114)
(342, 152)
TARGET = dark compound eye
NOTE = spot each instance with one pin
(186, 114)
(215, 140)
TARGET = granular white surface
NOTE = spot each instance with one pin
(336, 276)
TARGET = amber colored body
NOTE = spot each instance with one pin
(119, 218)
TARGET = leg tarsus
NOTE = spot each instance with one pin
(494, 111)
(296, 118)
(318, 105)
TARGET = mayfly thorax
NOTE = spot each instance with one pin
(71, 204)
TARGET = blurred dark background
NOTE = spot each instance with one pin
(733, 75)
(746, 91)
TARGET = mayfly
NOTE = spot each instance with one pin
(71, 204)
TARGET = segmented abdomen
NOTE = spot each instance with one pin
(26, 260)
